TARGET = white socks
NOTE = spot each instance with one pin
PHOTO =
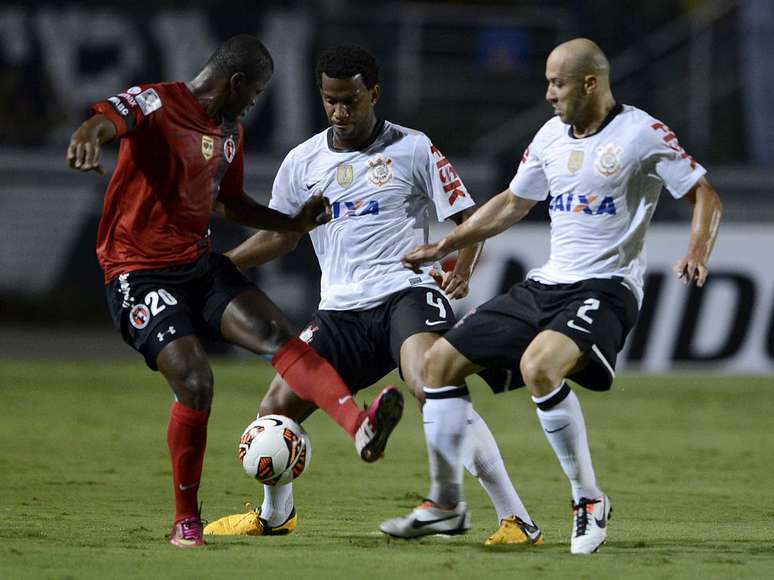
(562, 420)
(445, 417)
(456, 436)
(483, 460)
(277, 503)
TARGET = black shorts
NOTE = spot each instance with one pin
(152, 308)
(364, 345)
(597, 314)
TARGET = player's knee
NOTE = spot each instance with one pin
(438, 368)
(195, 389)
(537, 371)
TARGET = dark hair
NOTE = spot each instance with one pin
(344, 62)
(243, 53)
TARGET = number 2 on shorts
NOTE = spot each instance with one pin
(588, 304)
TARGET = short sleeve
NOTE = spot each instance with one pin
(530, 180)
(131, 108)
(663, 156)
(233, 183)
(283, 193)
(436, 176)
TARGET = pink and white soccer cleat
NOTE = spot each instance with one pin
(381, 417)
(187, 533)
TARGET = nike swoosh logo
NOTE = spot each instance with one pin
(187, 487)
(603, 522)
(309, 187)
(571, 324)
(343, 400)
(422, 523)
(531, 530)
(556, 430)
(437, 322)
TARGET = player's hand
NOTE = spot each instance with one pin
(315, 212)
(422, 255)
(691, 269)
(85, 152)
(455, 284)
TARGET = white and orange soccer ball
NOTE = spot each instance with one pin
(275, 450)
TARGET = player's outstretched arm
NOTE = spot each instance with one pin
(456, 282)
(707, 210)
(85, 149)
(248, 212)
(263, 247)
(495, 216)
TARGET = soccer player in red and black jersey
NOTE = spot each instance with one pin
(181, 150)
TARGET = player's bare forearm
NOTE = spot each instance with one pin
(263, 247)
(495, 216)
(246, 211)
(456, 283)
(468, 256)
(707, 211)
(85, 149)
(492, 218)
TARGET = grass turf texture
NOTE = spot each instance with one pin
(86, 488)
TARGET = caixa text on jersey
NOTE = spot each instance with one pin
(354, 208)
(588, 204)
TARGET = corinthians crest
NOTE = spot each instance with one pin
(608, 161)
(380, 171)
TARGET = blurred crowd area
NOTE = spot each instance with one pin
(470, 74)
(467, 72)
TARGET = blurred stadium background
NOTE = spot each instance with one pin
(468, 73)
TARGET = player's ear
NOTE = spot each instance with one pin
(590, 84)
(376, 92)
(237, 82)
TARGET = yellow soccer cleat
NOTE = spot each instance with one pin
(514, 531)
(250, 524)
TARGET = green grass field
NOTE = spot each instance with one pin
(86, 488)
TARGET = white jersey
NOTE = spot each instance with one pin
(381, 196)
(604, 189)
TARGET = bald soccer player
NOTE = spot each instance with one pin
(602, 166)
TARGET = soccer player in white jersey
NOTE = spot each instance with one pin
(603, 165)
(383, 181)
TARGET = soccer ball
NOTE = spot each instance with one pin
(274, 449)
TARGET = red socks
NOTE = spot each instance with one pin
(187, 439)
(313, 379)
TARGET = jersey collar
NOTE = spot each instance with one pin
(618, 108)
(370, 141)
